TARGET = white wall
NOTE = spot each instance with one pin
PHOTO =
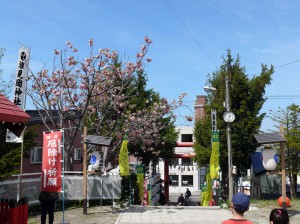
(174, 171)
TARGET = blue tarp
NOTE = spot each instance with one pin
(256, 160)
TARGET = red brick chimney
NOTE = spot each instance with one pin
(199, 107)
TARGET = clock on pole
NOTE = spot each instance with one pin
(228, 116)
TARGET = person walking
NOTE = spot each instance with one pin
(188, 193)
(279, 216)
(187, 199)
(240, 204)
(48, 201)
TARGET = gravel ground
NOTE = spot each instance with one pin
(105, 215)
(261, 215)
(99, 215)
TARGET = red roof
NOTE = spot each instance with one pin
(9, 112)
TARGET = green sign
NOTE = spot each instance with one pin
(139, 169)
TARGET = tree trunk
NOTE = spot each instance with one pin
(68, 158)
(293, 182)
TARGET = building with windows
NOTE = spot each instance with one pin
(183, 170)
(199, 107)
(32, 162)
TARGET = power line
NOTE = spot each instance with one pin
(199, 45)
(278, 97)
(190, 33)
(279, 66)
(292, 62)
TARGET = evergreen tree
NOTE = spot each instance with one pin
(246, 101)
(10, 153)
(289, 118)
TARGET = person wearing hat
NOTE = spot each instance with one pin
(240, 204)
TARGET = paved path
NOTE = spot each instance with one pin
(173, 214)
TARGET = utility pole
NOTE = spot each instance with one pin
(230, 179)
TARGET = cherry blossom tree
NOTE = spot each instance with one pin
(96, 91)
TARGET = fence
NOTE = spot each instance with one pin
(13, 212)
(260, 192)
(271, 192)
(98, 187)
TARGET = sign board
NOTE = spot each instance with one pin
(51, 166)
(98, 140)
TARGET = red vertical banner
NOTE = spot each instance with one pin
(51, 167)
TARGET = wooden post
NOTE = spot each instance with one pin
(84, 173)
(283, 176)
(166, 180)
(21, 168)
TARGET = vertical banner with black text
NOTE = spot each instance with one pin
(19, 98)
(21, 77)
(51, 166)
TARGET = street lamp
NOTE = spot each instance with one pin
(209, 88)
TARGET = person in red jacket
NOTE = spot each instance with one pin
(240, 204)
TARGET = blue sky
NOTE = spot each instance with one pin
(189, 39)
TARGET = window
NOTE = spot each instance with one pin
(187, 180)
(187, 138)
(174, 162)
(36, 155)
(186, 161)
(173, 179)
(77, 154)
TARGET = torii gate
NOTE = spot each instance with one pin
(166, 166)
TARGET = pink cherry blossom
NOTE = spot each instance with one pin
(94, 85)
(91, 42)
(57, 52)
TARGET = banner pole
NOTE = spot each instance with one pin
(84, 172)
(63, 177)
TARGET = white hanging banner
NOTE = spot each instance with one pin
(20, 87)
(21, 77)
(12, 138)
